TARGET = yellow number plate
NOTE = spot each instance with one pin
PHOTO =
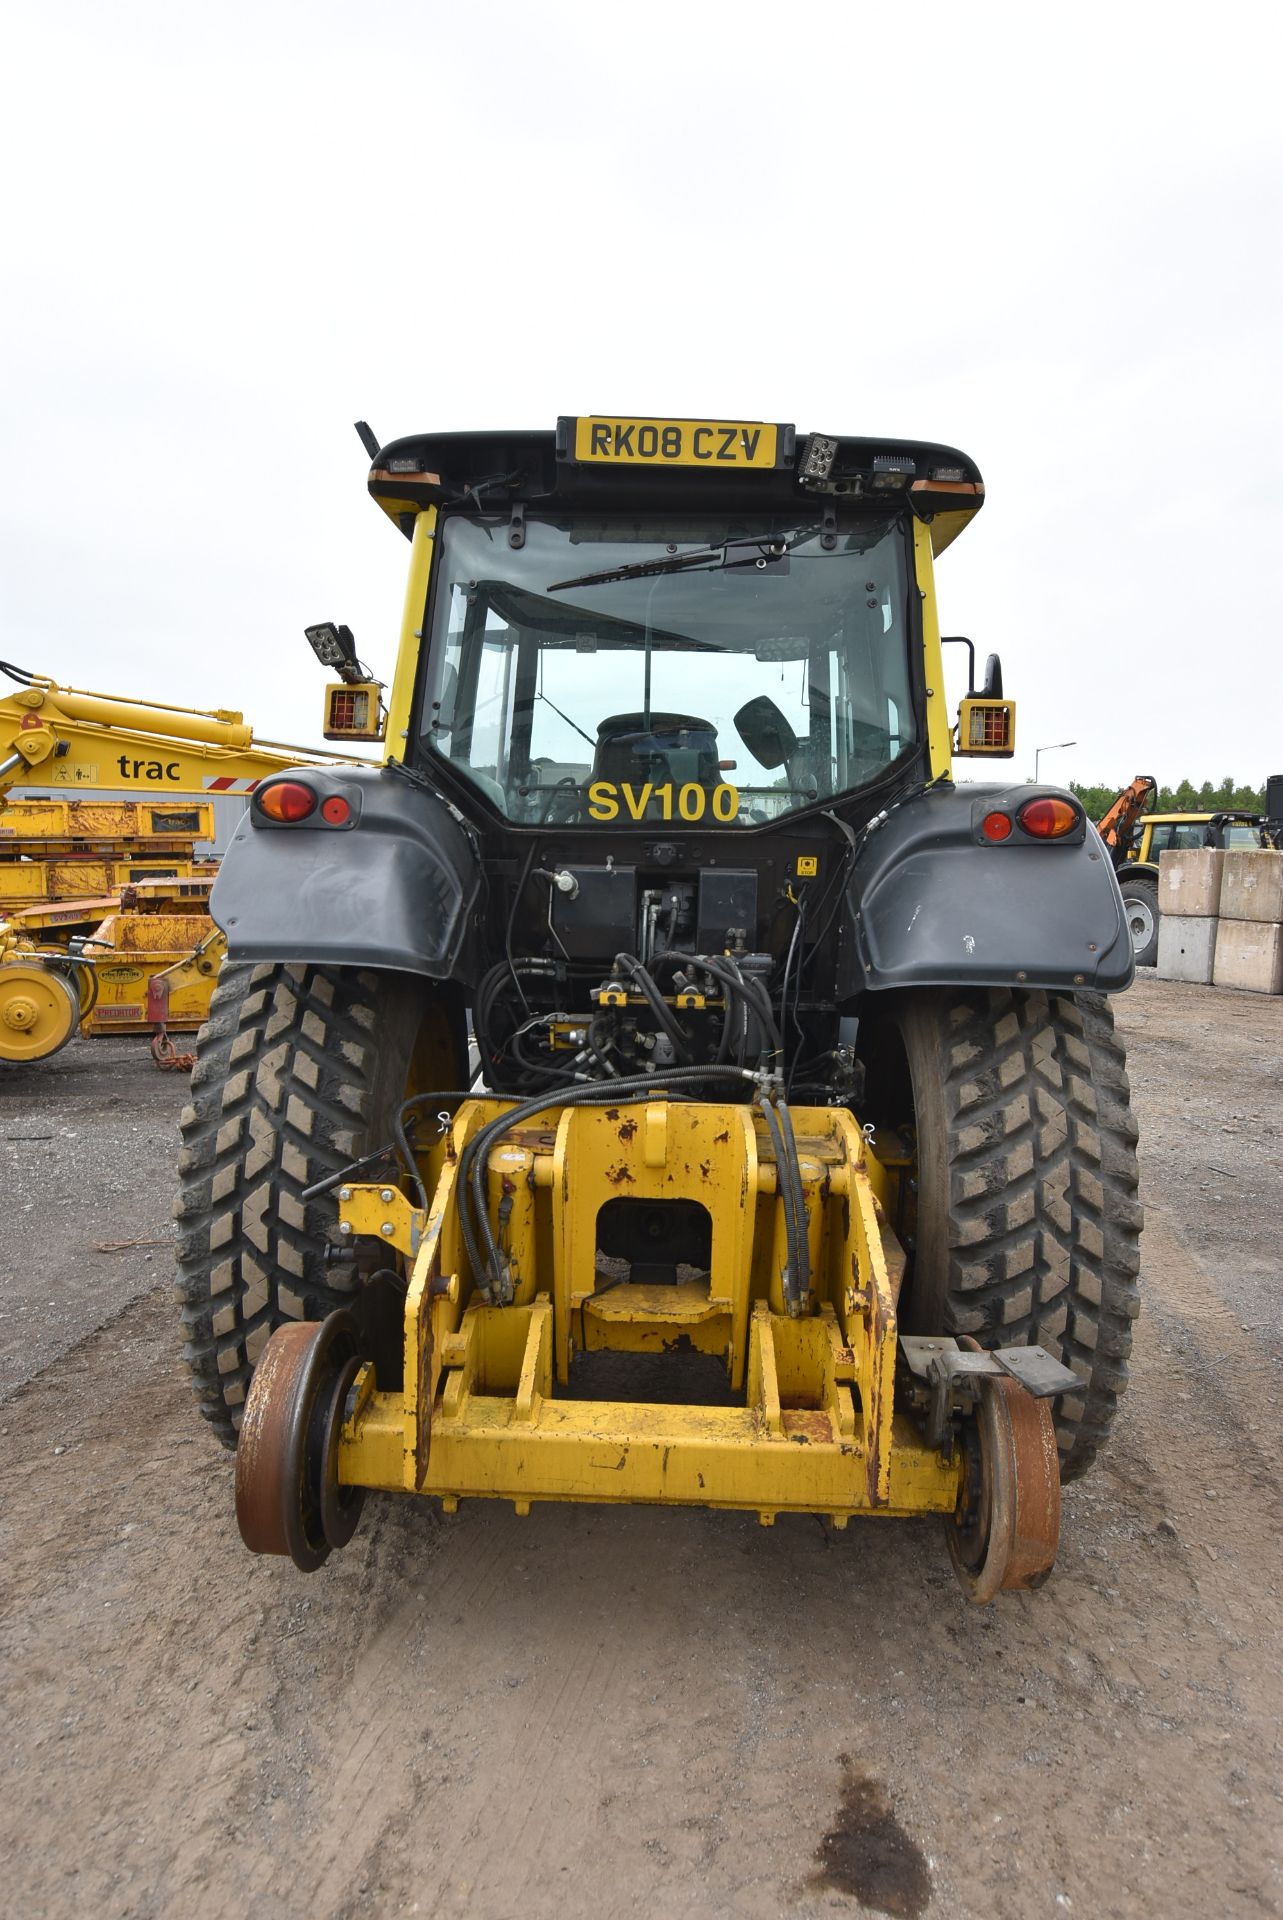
(676, 443)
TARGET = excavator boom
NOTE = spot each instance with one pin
(63, 738)
(1119, 824)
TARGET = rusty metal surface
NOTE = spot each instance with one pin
(167, 1056)
(1007, 1529)
(288, 1497)
(1035, 1532)
(263, 1446)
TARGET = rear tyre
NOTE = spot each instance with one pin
(299, 1071)
(1140, 904)
(1027, 1223)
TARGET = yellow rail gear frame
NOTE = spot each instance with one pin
(475, 1414)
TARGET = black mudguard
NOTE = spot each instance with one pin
(395, 888)
(933, 903)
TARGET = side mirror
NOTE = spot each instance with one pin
(765, 731)
(986, 722)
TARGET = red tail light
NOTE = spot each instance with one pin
(286, 801)
(1048, 818)
(336, 810)
(996, 826)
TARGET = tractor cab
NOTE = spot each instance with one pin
(775, 591)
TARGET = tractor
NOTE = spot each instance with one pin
(658, 1080)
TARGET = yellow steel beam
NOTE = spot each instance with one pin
(939, 729)
(396, 745)
(625, 1451)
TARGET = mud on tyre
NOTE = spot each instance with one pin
(1027, 1220)
(299, 1071)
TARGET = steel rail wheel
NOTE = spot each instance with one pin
(288, 1497)
(1006, 1530)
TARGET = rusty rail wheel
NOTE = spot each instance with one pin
(288, 1497)
(1006, 1529)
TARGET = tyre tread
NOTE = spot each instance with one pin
(283, 1080)
(1043, 1216)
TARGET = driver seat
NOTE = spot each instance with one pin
(674, 748)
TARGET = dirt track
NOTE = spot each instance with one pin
(608, 1713)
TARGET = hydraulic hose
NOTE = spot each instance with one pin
(630, 964)
(635, 1091)
(752, 994)
(472, 1162)
(794, 1190)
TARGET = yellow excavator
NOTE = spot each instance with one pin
(104, 918)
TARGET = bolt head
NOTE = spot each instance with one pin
(386, 1229)
(345, 1226)
(385, 1196)
(345, 1193)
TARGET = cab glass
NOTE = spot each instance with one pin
(722, 670)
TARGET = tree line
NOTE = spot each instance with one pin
(1229, 797)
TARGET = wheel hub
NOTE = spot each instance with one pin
(1141, 922)
(39, 1011)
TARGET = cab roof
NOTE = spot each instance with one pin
(942, 485)
(1178, 819)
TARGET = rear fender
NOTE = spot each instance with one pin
(932, 903)
(395, 888)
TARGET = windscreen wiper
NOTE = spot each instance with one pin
(773, 551)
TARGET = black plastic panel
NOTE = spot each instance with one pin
(727, 898)
(600, 920)
(397, 891)
(929, 906)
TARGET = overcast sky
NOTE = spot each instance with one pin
(1048, 236)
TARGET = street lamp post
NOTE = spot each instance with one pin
(1039, 751)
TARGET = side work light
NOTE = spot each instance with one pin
(986, 727)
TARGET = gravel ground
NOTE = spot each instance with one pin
(87, 1153)
(606, 1712)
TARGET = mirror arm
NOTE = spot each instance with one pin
(960, 640)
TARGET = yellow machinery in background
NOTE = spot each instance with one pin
(57, 854)
(100, 898)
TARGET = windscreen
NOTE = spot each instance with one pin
(724, 671)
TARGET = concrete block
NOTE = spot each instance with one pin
(1249, 954)
(1252, 886)
(1186, 948)
(1189, 881)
